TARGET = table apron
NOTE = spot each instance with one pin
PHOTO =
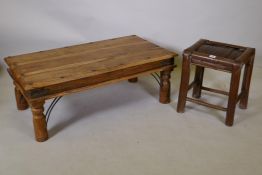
(98, 80)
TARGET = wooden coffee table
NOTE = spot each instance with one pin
(54, 73)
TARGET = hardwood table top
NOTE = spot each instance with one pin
(52, 67)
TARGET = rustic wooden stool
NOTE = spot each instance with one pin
(218, 56)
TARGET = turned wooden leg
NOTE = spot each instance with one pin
(199, 74)
(133, 80)
(39, 121)
(184, 84)
(246, 84)
(233, 94)
(21, 102)
(164, 96)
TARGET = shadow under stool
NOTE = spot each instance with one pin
(219, 56)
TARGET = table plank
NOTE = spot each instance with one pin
(70, 50)
(85, 57)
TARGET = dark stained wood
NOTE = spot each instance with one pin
(133, 80)
(246, 83)
(233, 94)
(199, 75)
(203, 103)
(221, 51)
(214, 90)
(184, 84)
(223, 57)
(53, 73)
(191, 85)
(20, 100)
(240, 96)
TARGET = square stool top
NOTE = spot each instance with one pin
(219, 55)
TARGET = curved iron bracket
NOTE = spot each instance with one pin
(156, 77)
(50, 108)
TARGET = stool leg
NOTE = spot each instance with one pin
(199, 74)
(21, 102)
(184, 84)
(246, 84)
(233, 94)
(133, 80)
(39, 121)
(164, 96)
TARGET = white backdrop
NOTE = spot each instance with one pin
(32, 25)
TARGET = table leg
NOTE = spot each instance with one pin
(39, 121)
(184, 84)
(21, 102)
(233, 94)
(133, 80)
(165, 86)
(199, 74)
(246, 84)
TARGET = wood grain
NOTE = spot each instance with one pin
(53, 73)
(219, 56)
(54, 67)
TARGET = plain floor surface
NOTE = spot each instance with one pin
(122, 129)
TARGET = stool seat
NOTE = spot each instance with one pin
(224, 56)
(219, 56)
